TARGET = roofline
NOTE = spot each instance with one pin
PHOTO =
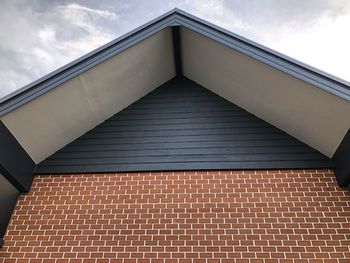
(176, 17)
(298, 69)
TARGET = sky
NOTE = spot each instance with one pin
(39, 36)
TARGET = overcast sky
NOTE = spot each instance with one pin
(38, 36)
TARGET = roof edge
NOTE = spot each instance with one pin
(86, 56)
(51, 80)
(298, 69)
(304, 72)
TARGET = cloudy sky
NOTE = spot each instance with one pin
(38, 36)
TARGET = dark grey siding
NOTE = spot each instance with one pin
(341, 159)
(182, 126)
(15, 164)
(8, 198)
(16, 175)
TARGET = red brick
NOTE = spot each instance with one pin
(217, 216)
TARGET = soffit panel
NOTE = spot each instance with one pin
(56, 118)
(114, 84)
(182, 126)
(313, 116)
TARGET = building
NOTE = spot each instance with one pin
(179, 141)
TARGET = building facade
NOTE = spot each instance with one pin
(178, 142)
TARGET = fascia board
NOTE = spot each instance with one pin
(176, 17)
(306, 73)
(69, 71)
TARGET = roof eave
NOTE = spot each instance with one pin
(295, 68)
(176, 17)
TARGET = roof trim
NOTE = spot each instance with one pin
(176, 17)
(341, 159)
(295, 68)
(11, 154)
(78, 66)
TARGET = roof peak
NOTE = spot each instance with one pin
(176, 17)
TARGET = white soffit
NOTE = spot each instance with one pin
(311, 115)
(58, 117)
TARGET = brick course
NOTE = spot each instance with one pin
(203, 216)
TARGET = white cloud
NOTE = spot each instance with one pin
(38, 36)
(216, 11)
(314, 32)
(324, 45)
(37, 43)
(81, 16)
(73, 11)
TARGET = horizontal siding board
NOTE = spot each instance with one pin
(179, 120)
(166, 110)
(182, 126)
(194, 125)
(204, 110)
(188, 131)
(179, 151)
(183, 132)
(189, 145)
(183, 158)
(184, 139)
(183, 104)
(181, 166)
(183, 101)
(184, 115)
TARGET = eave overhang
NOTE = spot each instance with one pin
(176, 17)
(181, 21)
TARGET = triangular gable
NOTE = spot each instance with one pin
(14, 110)
(179, 126)
(182, 126)
(304, 102)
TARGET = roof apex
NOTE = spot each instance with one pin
(176, 17)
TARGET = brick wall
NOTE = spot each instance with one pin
(182, 217)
